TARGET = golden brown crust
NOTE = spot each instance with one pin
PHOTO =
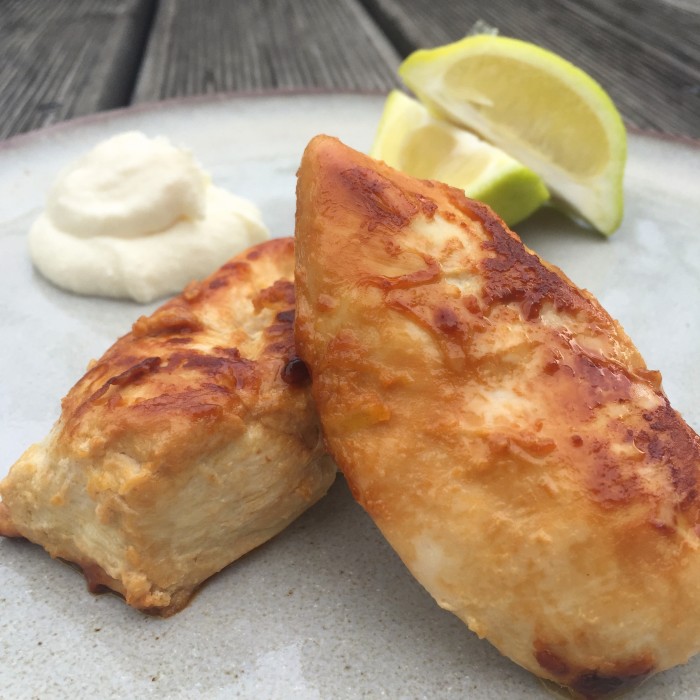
(189, 362)
(7, 528)
(498, 425)
(185, 445)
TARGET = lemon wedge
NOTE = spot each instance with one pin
(539, 108)
(410, 139)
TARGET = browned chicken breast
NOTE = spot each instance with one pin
(498, 425)
(190, 442)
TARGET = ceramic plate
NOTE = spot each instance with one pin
(325, 610)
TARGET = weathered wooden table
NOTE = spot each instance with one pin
(65, 58)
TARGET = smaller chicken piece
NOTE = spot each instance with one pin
(190, 442)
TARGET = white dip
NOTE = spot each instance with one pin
(136, 217)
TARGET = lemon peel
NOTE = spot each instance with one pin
(410, 139)
(539, 108)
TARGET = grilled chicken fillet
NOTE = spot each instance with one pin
(498, 425)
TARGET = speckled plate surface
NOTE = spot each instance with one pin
(326, 609)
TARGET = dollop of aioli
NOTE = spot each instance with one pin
(138, 218)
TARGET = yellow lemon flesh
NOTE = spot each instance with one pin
(536, 106)
(410, 139)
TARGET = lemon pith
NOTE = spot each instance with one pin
(411, 139)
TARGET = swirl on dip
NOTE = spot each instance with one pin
(138, 218)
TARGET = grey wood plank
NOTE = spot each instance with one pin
(645, 53)
(220, 45)
(66, 58)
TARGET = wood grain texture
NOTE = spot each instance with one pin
(646, 54)
(219, 45)
(67, 58)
